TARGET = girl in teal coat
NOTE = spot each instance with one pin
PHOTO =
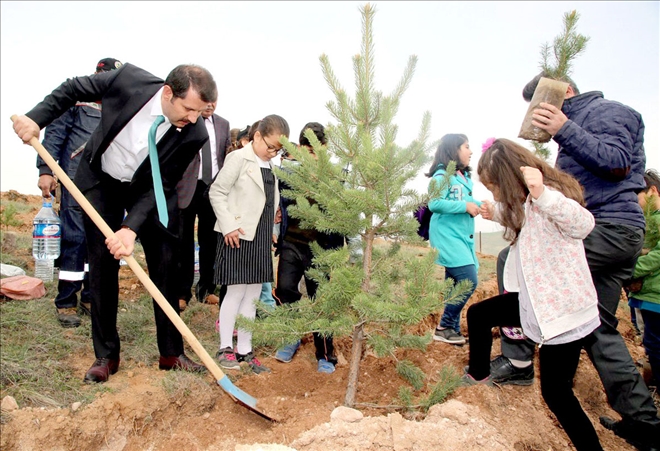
(451, 231)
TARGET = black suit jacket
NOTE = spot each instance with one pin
(123, 92)
(188, 184)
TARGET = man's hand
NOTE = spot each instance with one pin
(47, 184)
(122, 243)
(232, 238)
(472, 209)
(533, 180)
(26, 128)
(549, 118)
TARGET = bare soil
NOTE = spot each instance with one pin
(137, 412)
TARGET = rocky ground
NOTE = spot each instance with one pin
(147, 409)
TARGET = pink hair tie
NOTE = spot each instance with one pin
(485, 146)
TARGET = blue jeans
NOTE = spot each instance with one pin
(451, 317)
(267, 294)
(651, 341)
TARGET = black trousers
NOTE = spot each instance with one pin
(200, 208)
(558, 365)
(295, 259)
(612, 251)
(110, 198)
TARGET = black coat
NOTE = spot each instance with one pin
(123, 92)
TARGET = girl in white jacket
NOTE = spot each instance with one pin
(550, 291)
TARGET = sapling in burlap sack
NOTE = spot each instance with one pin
(555, 81)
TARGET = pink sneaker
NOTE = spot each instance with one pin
(227, 359)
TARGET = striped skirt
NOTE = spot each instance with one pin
(252, 262)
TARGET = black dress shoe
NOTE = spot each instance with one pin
(101, 370)
(181, 362)
(503, 372)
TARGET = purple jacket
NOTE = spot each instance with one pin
(602, 146)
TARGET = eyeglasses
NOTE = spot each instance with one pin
(271, 148)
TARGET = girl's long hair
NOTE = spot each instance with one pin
(500, 166)
(448, 151)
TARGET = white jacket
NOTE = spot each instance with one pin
(554, 264)
(237, 194)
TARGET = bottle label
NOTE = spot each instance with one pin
(46, 231)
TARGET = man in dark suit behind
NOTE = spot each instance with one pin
(115, 174)
(194, 203)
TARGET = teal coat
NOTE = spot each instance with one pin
(452, 229)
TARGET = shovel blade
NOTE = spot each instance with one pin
(241, 397)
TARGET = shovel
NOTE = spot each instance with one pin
(223, 381)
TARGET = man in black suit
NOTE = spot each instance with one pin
(115, 174)
(195, 204)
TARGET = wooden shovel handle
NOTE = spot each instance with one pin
(207, 360)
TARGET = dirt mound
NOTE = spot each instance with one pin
(142, 408)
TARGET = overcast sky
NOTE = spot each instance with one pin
(474, 59)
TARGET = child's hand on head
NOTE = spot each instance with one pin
(534, 181)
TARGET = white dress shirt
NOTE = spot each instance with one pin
(131, 146)
(214, 156)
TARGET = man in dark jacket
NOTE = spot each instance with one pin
(65, 139)
(148, 135)
(601, 144)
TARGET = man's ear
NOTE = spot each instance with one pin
(167, 93)
(653, 191)
(569, 92)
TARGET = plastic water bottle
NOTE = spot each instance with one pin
(196, 277)
(46, 237)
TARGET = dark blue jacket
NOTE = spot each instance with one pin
(65, 137)
(602, 146)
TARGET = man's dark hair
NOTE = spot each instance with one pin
(186, 76)
(651, 178)
(318, 130)
(528, 90)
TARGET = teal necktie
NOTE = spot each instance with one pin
(155, 172)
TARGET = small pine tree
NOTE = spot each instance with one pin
(541, 150)
(380, 296)
(566, 47)
(8, 217)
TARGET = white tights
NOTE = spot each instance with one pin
(239, 300)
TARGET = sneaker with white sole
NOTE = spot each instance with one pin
(227, 359)
(325, 366)
(449, 336)
(285, 353)
(467, 380)
(254, 363)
